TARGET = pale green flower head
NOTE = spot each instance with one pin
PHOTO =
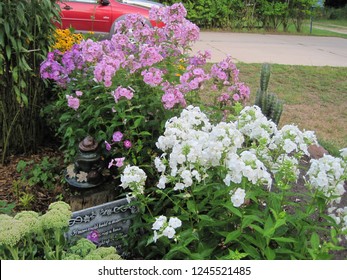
(55, 219)
(30, 219)
(59, 205)
(83, 247)
(72, 257)
(103, 253)
(11, 231)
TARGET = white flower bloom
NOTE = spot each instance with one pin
(289, 146)
(175, 222)
(169, 232)
(161, 167)
(162, 182)
(238, 197)
(159, 222)
(134, 178)
(186, 175)
(179, 186)
(327, 175)
(343, 153)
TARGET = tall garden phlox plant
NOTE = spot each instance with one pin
(133, 83)
(227, 191)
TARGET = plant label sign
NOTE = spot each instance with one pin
(104, 224)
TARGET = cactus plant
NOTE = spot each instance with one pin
(270, 104)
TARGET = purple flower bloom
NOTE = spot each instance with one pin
(73, 102)
(117, 136)
(79, 93)
(110, 163)
(119, 161)
(236, 97)
(127, 144)
(93, 236)
(108, 146)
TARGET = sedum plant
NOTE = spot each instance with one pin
(31, 236)
(269, 103)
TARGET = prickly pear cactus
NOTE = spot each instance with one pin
(271, 106)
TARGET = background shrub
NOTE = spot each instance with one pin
(25, 29)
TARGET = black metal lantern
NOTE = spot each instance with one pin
(86, 171)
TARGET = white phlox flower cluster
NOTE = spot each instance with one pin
(249, 166)
(252, 123)
(343, 153)
(238, 197)
(163, 227)
(192, 146)
(340, 217)
(134, 178)
(328, 174)
(290, 164)
(291, 139)
(191, 121)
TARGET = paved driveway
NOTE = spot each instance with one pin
(280, 49)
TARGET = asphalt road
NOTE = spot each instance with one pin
(274, 49)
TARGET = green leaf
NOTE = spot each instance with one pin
(232, 209)
(8, 52)
(249, 219)
(191, 206)
(284, 239)
(269, 253)
(315, 241)
(207, 219)
(232, 236)
(68, 132)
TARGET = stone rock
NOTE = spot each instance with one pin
(317, 152)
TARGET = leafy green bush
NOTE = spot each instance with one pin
(46, 173)
(6, 208)
(240, 14)
(26, 28)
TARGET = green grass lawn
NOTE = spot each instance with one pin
(305, 29)
(315, 98)
(332, 22)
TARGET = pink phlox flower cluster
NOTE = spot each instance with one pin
(73, 102)
(122, 92)
(200, 58)
(117, 136)
(90, 50)
(150, 55)
(175, 13)
(107, 68)
(181, 31)
(132, 64)
(226, 74)
(172, 96)
(127, 144)
(226, 71)
(193, 79)
(152, 76)
(243, 91)
(118, 162)
(52, 69)
(72, 59)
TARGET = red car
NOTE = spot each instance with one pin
(98, 16)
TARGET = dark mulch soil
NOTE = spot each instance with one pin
(10, 178)
(43, 196)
